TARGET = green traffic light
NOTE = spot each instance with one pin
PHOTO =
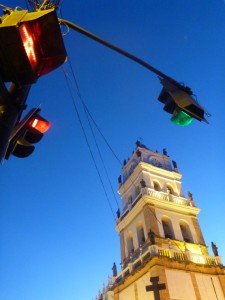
(182, 119)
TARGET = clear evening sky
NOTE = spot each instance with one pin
(57, 237)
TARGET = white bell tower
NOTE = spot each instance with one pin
(163, 252)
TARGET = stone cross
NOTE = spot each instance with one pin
(155, 287)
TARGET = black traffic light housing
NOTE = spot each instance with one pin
(31, 45)
(180, 103)
(27, 132)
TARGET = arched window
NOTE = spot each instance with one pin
(137, 191)
(156, 186)
(186, 232)
(170, 189)
(130, 199)
(130, 243)
(167, 228)
(140, 233)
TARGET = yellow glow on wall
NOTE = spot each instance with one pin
(193, 248)
(198, 259)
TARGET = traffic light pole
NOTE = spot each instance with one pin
(12, 104)
(125, 53)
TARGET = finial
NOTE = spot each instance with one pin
(138, 143)
(190, 196)
(138, 152)
(214, 249)
(143, 183)
(114, 269)
(164, 151)
(174, 164)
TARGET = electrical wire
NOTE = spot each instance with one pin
(102, 183)
(89, 116)
(79, 95)
(100, 155)
(4, 6)
(97, 127)
(87, 141)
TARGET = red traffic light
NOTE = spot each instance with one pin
(40, 124)
(28, 132)
(31, 45)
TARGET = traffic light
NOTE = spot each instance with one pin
(28, 132)
(180, 103)
(31, 45)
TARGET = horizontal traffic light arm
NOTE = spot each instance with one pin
(124, 53)
(182, 99)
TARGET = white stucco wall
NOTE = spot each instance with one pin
(209, 287)
(128, 293)
(180, 285)
(141, 286)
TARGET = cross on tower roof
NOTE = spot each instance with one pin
(155, 287)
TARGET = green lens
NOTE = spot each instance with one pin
(182, 119)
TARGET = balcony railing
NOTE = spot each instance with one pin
(156, 195)
(151, 251)
(167, 197)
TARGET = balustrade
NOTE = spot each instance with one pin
(154, 250)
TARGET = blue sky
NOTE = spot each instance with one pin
(56, 225)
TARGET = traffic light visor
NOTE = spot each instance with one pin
(22, 148)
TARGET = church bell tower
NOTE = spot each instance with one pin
(163, 252)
